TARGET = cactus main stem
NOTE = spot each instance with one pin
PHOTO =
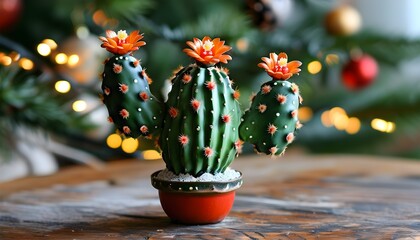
(201, 124)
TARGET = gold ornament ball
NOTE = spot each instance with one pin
(343, 21)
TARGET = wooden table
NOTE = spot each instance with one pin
(294, 197)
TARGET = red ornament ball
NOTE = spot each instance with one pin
(9, 13)
(360, 72)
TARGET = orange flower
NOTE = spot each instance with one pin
(207, 51)
(278, 67)
(121, 43)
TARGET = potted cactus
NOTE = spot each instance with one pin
(200, 127)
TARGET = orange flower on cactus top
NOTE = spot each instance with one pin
(208, 51)
(277, 66)
(121, 43)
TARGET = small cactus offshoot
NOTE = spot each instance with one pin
(126, 93)
(272, 120)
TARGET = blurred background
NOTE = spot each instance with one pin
(360, 78)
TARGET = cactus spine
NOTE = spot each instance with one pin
(131, 106)
(272, 120)
(201, 125)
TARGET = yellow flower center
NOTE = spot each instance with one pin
(208, 45)
(282, 62)
(122, 35)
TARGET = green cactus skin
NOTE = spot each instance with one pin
(126, 93)
(272, 120)
(200, 130)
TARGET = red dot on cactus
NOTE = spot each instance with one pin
(123, 88)
(195, 104)
(208, 152)
(271, 129)
(124, 113)
(273, 150)
(144, 129)
(236, 95)
(183, 139)
(107, 91)
(295, 88)
(117, 68)
(144, 96)
(294, 113)
(136, 63)
(173, 112)
(210, 85)
(262, 108)
(281, 99)
(290, 137)
(266, 89)
(238, 146)
(226, 118)
(126, 130)
(110, 120)
(186, 78)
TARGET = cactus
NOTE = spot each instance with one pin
(126, 93)
(199, 126)
(272, 120)
(200, 132)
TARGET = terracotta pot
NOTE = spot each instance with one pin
(196, 202)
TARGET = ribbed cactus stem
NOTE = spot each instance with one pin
(201, 125)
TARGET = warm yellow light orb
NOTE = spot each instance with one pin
(5, 60)
(61, 58)
(151, 155)
(79, 106)
(43, 49)
(114, 141)
(129, 145)
(73, 60)
(26, 63)
(62, 86)
(305, 114)
(314, 67)
(353, 125)
(51, 43)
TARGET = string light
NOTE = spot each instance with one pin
(114, 141)
(73, 60)
(26, 63)
(43, 49)
(151, 155)
(61, 58)
(305, 114)
(62, 86)
(79, 106)
(5, 60)
(338, 118)
(314, 67)
(129, 145)
(51, 43)
(382, 125)
(353, 125)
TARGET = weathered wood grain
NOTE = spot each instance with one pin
(295, 197)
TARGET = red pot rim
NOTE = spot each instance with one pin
(196, 187)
